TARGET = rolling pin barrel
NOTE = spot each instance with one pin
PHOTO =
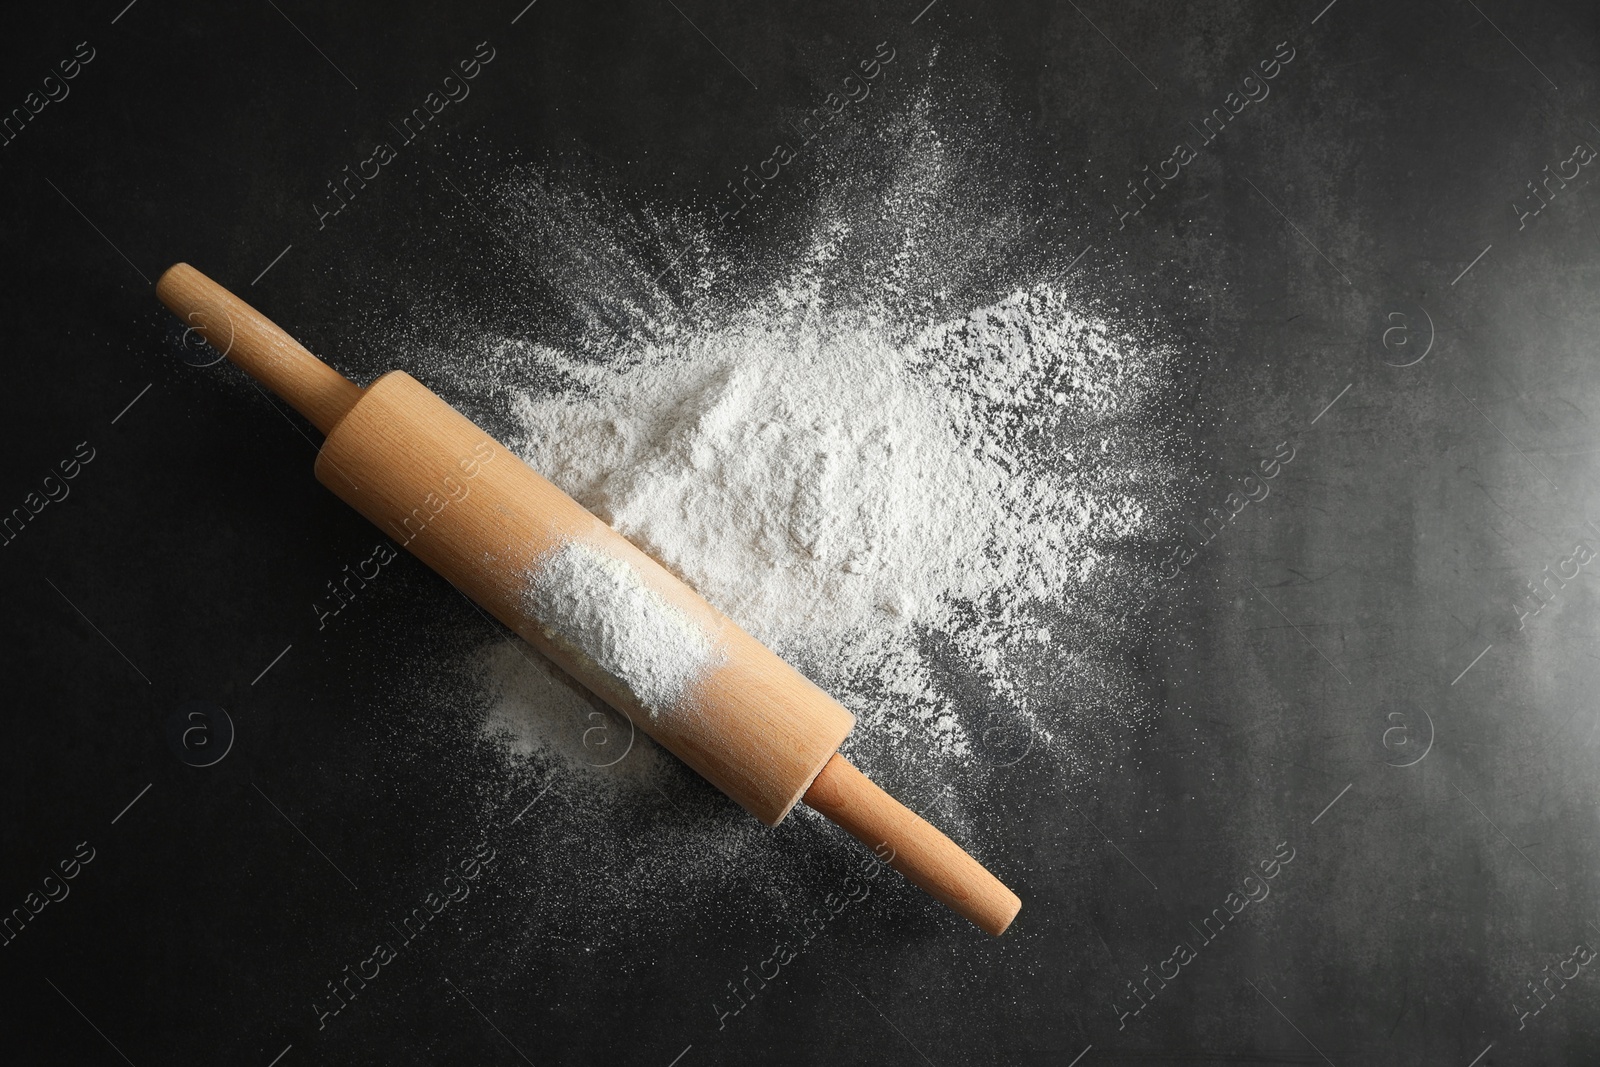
(474, 512)
(485, 520)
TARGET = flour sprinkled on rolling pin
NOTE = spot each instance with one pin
(601, 608)
(598, 605)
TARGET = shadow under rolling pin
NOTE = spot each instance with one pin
(486, 521)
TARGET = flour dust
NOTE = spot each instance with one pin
(916, 478)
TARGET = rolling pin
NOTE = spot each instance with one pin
(473, 511)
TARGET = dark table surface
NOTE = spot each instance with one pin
(1355, 266)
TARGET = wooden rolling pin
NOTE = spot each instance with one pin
(483, 519)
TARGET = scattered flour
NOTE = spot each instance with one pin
(596, 605)
(843, 494)
(876, 439)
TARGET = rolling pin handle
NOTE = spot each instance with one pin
(925, 856)
(256, 345)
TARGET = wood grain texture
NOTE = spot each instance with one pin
(474, 512)
(924, 855)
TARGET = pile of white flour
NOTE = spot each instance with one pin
(846, 496)
(868, 433)
(596, 605)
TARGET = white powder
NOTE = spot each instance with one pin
(597, 605)
(843, 494)
(927, 478)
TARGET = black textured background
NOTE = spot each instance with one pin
(1323, 639)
